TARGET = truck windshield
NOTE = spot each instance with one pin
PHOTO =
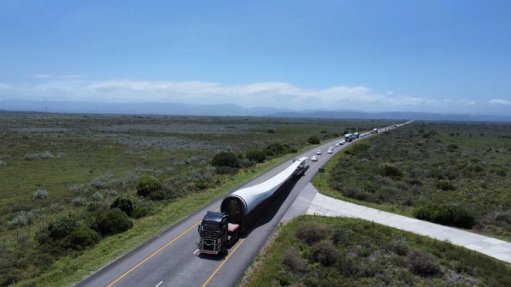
(210, 226)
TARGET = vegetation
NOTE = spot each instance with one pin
(452, 174)
(86, 162)
(321, 251)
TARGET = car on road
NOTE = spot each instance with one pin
(314, 158)
(336, 144)
(318, 152)
(330, 150)
(341, 142)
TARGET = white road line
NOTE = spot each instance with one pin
(158, 285)
(196, 252)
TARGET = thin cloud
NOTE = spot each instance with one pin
(499, 102)
(271, 94)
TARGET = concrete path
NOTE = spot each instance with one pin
(324, 205)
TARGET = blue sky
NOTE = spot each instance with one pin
(433, 56)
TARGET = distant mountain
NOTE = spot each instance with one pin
(226, 110)
(135, 108)
(392, 115)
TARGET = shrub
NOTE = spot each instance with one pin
(311, 233)
(78, 188)
(97, 196)
(445, 185)
(79, 201)
(123, 204)
(314, 140)
(451, 215)
(21, 219)
(100, 182)
(111, 221)
(293, 261)
(256, 156)
(40, 155)
(112, 192)
(225, 159)
(276, 149)
(387, 169)
(325, 253)
(41, 194)
(423, 264)
(147, 184)
(62, 227)
(81, 238)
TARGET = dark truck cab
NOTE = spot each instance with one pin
(216, 233)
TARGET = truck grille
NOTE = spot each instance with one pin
(209, 234)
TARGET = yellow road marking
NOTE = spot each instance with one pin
(152, 255)
(223, 262)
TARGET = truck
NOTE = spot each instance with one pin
(349, 137)
(218, 231)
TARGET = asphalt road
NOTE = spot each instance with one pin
(171, 259)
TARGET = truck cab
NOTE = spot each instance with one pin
(216, 233)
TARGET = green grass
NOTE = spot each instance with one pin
(115, 151)
(68, 270)
(367, 254)
(429, 164)
(321, 182)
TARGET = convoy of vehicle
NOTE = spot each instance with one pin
(219, 231)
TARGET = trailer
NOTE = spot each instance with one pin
(218, 231)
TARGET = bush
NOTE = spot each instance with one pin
(445, 185)
(40, 155)
(311, 233)
(256, 156)
(41, 194)
(314, 140)
(147, 184)
(97, 196)
(111, 221)
(451, 215)
(123, 204)
(62, 227)
(79, 201)
(423, 264)
(228, 159)
(293, 261)
(325, 253)
(387, 169)
(276, 149)
(81, 238)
